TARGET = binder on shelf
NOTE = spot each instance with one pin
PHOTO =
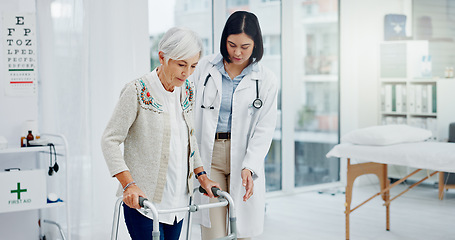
(390, 120)
(412, 99)
(383, 98)
(394, 98)
(433, 99)
(404, 99)
(429, 88)
(388, 98)
(418, 98)
(424, 99)
(418, 122)
(398, 100)
(411, 122)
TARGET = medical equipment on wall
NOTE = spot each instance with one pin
(257, 103)
(52, 167)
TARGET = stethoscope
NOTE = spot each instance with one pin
(257, 103)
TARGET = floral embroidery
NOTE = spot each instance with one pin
(189, 94)
(145, 99)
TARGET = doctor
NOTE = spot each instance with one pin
(235, 113)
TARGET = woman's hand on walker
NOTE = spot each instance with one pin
(131, 196)
(247, 182)
(207, 184)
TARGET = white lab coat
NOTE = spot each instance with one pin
(251, 135)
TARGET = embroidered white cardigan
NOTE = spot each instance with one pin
(140, 123)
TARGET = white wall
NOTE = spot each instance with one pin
(361, 28)
(361, 31)
(14, 110)
(88, 50)
(119, 53)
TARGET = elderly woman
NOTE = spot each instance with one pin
(153, 119)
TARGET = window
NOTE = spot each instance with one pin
(195, 5)
(316, 110)
(237, 3)
(269, 19)
(272, 45)
(311, 123)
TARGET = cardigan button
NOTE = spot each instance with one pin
(191, 132)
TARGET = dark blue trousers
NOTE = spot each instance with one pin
(141, 227)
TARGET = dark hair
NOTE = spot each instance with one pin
(243, 22)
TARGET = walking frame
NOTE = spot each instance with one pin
(224, 200)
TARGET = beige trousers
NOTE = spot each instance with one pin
(220, 172)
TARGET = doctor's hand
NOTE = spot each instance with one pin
(247, 182)
(207, 184)
(131, 196)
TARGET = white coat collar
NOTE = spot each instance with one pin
(245, 83)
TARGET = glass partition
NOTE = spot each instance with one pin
(315, 112)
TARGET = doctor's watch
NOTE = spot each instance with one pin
(200, 173)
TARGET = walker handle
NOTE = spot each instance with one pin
(214, 190)
(141, 201)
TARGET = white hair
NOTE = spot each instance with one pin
(180, 43)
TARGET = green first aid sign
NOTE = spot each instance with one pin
(18, 191)
(22, 190)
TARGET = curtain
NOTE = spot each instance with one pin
(88, 50)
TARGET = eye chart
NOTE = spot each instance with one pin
(19, 53)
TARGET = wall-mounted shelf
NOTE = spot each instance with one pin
(29, 149)
(47, 205)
